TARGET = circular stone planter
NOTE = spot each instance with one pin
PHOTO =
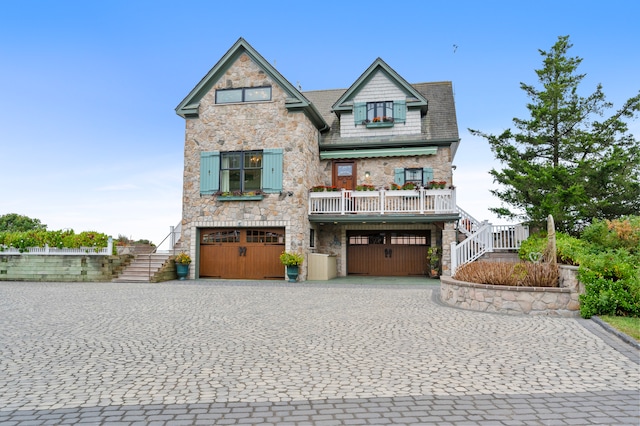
(552, 301)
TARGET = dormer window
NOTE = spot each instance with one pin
(243, 94)
(380, 114)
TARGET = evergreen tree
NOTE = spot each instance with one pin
(13, 222)
(567, 159)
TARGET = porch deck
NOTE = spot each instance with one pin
(413, 202)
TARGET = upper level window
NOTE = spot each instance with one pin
(240, 171)
(244, 94)
(413, 176)
(380, 114)
(380, 111)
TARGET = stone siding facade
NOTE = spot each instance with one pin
(251, 126)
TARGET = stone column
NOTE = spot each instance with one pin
(448, 236)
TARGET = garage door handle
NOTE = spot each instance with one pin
(242, 251)
(387, 252)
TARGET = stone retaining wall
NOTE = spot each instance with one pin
(560, 301)
(67, 268)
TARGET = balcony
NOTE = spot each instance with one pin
(383, 204)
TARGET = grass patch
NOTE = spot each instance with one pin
(628, 325)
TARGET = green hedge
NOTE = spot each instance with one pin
(58, 239)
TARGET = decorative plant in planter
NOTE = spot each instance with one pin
(433, 257)
(182, 265)
(292, 261)
(437, 184)
(365, 187)
(323, 188)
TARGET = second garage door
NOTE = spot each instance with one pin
(387, 253)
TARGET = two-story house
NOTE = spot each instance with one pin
(363, 173)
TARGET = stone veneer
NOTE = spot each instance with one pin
(560, 301)
(251, 126)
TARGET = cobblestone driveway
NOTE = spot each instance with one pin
(209, 352)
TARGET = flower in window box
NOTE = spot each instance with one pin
(365, 187)
(409, 186)
(367, 121)
(377, 119)
(387, 119)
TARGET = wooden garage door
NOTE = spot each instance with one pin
(387, 253)
(240, 253)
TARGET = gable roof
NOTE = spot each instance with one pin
(439, 124)
(414, 98)
(296, 101)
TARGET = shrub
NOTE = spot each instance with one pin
(618, 233)
(569, 249)
(612, 284)
(525, 274)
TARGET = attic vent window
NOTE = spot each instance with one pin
(244, 94)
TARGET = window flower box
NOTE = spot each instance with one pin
(240, 196)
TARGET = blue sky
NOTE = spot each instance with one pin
(89, 139)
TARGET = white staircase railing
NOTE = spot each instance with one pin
(477, 244)
(482, 237)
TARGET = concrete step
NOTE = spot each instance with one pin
(499, 256)
(142, 268)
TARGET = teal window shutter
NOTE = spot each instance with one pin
(427, 175)
(359, 112)
(399, 176)
(400, 111)
(272, 160)
(209, 172)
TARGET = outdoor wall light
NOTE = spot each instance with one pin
(367, 174)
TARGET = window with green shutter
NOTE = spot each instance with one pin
(380, 114)
(242, 172)
(359, 112)
(209, 172)
(272, 170)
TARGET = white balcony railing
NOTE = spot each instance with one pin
(419, 201)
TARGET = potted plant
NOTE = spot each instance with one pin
(433, 257)
(292, 261)
(182, 265)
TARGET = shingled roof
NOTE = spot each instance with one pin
(439, 124)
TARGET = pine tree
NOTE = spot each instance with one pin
(566, 159)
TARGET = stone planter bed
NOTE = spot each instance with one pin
(559, 301)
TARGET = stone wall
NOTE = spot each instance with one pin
(68, 268)
(560, 301)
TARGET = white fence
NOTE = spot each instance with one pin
(46, 250)
(421, 201)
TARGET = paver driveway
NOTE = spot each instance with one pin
(204, 352)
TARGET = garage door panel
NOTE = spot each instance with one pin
(387, 253)
(241, 253)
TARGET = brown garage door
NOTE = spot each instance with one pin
(387, 253)
(241, 253)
